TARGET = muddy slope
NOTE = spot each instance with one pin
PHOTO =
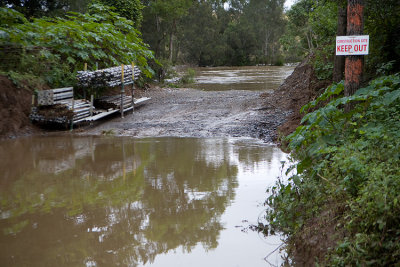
(301, 87)
(15, 106)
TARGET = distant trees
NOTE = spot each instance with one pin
(215, 32)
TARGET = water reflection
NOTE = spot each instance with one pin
(114, 201)
(241, 78)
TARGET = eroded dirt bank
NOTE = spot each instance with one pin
(15, 106)
(196, 113)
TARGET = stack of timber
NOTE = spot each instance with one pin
(113, 102)
(55, 96)
(110, 77)
(57, 106)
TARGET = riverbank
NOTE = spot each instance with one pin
(15, 107)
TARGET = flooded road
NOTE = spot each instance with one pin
(224, 111)
(110, 201)
(255, 78)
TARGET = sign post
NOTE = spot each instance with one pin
(352, 45)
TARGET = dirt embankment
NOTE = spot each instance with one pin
(15, 106)
(301, 87)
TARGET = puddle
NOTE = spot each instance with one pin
(96, 201)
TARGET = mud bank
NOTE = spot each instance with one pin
(15, 106)
(195, 113)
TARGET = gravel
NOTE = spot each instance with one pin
(195, 113)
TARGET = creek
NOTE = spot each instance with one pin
(68, 200)
(254, 78)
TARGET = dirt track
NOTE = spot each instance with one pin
(195, 113)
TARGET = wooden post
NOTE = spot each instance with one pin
(91, 104)
(122, 91)
(84, 89)
(133, 85)
(72, 120)
(354, 64)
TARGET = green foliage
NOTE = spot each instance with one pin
(349, 160)
(206, 34)
(311, 28)
(188, 77)
(203, 42)
(27, 81)
(130, 9)
(382, 22)
(55, 48)
(323, 61)
(10, 17)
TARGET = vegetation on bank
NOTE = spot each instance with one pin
(347, 163)
(53, 49)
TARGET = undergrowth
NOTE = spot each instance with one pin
(349, 160)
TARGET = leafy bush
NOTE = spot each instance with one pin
(55, 48)
(348, 160)
(188, 77)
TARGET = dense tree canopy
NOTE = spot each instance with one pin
(215, 32)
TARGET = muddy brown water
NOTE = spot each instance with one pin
(254, 78)
(119, 201)
(70, 200)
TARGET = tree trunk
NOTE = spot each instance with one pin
(338, 70)
(171, 41)
(354, 64)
